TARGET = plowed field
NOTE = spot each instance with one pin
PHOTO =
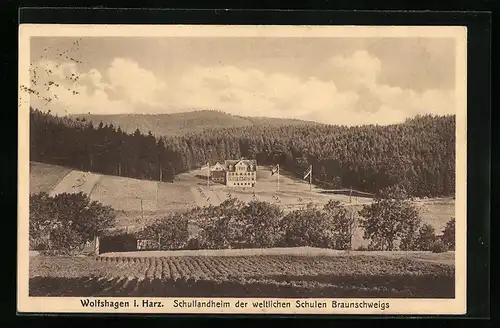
(241, 276)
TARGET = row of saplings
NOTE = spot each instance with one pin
(391, 222)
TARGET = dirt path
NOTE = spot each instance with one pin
(75, 182)
(205, 196)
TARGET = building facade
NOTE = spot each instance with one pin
(218, 173)
(241, 173)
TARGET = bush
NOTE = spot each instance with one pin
(426, 238)
(193, 244)
(65, 222)
(171, 232)
(221, 226)
(438, 246)
(449, 234)
(260, 224)
(307, 227)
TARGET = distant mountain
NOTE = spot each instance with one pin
(182, 123)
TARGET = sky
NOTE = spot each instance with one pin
(348, 81)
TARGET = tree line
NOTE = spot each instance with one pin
(66, 222)
(390, 223)
(417, 155)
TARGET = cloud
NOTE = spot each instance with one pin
(123, 88)
(360, 68)
(351, 95)
(254, 93)
(359, 72)
(137, 85)
(412, 103)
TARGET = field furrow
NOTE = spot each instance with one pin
(240, 276)
(202, 263)
(174, 272)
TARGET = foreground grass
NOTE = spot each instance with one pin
(241, 276)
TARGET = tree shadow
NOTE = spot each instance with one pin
(275, 287)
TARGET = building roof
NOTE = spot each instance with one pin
(217, 167)
(247, 162)
(243, 161)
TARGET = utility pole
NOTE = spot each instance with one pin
(158, 187)
(142, 212)
(310, 178)
(278, 177)
(208, 175)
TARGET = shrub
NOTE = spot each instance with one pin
(438, 246)
(260, 224)
(66, 221)
(171, 232)
(221, 226)
(426, 238)
(193, 244)
(449, 234)
(306, 227)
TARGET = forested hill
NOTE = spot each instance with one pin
(181, 123)
(418, 154)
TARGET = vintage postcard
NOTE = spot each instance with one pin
(242, 169)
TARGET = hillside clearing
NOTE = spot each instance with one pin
(44, 177)
(75, 182)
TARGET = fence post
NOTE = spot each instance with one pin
(97, 245)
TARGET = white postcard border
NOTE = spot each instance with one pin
(397, 306)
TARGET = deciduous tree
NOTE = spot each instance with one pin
(342, 222)
(391, 217)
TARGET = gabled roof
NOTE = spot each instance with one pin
(246, 162)
(217, 166)
(243, 161)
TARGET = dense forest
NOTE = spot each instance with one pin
(418, 154)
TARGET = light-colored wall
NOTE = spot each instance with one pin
(241, 177)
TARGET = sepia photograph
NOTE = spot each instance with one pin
(242, 169)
